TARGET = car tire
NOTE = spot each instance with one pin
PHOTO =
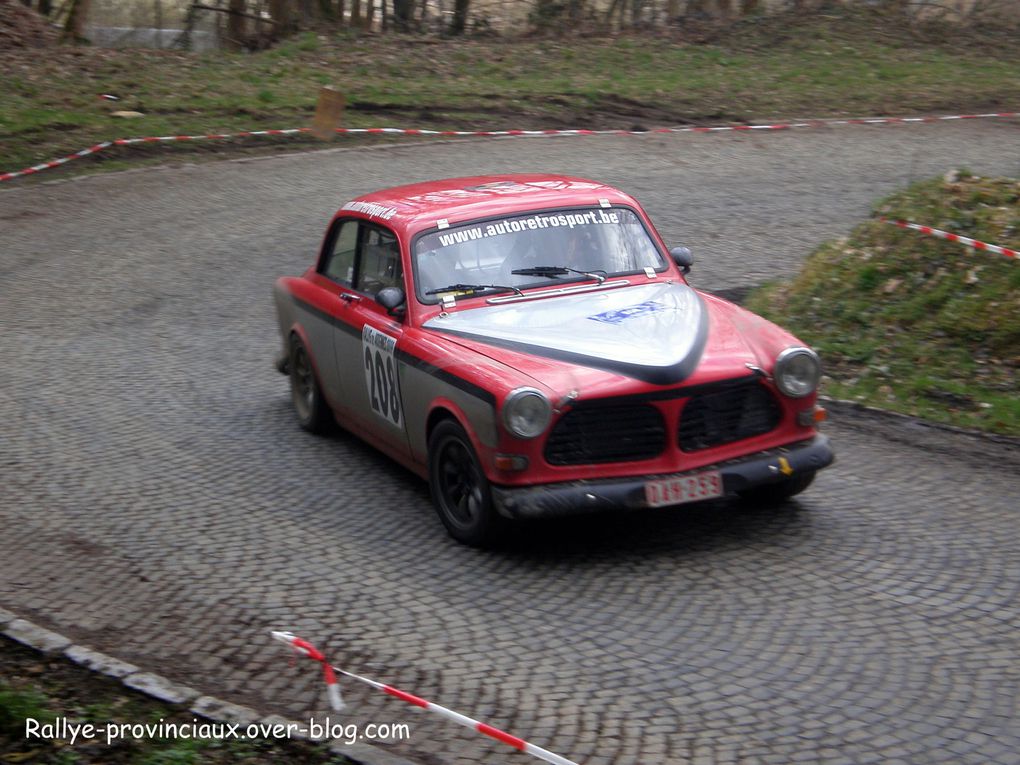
(313, 413)
(777, 493)
(460, 491)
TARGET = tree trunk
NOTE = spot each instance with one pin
(403, 13)
(283, 23)
(355, 14)
(307, 8)
(46, 7)
(341, 9)
(747, 7)
(235, 25)
(696, 7)
(460, 13)
(370, 15)
(74, 28)
(617, 5)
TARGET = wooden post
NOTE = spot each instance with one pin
(328, 113)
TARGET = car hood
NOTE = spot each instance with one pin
(659, 333)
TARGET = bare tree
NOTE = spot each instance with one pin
(157, 13)
(636, 6)
(616, 8)
(283, 19)
(77, 15)
(460, 13)
(235, 24)
(403, 14)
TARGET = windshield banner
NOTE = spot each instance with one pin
(531, 223)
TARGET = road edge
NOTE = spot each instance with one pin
(913, 424)
(162, 689)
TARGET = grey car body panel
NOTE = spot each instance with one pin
(318, 328)
(421, 385)
(420, 382)
(654, 332)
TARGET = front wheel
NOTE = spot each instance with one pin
(460, 491)
(776, 493)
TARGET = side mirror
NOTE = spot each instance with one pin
(683, 258)
(391, 298)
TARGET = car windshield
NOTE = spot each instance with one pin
(553, 246)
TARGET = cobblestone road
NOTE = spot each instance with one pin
(158, 502)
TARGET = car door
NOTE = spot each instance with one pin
(366, 339)
(334, 276)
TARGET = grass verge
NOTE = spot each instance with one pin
(849, 62)
(915, 324)
(47, 688)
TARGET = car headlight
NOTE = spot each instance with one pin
(526, 412)
(797, 372)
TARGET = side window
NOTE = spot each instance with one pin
(379, 265)
(339, 265)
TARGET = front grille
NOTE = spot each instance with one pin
(607, 433)
(722, 417)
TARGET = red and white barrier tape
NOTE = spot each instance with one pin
(304, 647)
(966, 241)
(153, 139)
(505, 133)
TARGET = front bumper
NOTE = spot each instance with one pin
(576, 497)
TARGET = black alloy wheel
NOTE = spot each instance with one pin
(460, 491)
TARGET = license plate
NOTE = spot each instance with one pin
(688, 488)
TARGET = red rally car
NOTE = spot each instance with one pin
(528, 345)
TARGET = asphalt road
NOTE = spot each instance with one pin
(158, 502)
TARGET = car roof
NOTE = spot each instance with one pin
(419, 206)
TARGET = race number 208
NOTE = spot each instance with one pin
(381, 374)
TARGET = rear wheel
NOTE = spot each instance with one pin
(460, 491)
(775, 493)
(310, 405)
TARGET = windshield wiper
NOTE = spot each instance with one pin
(554, 271)
(472, 288)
